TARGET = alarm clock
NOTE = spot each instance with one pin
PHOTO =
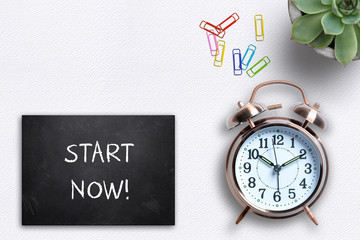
(276, 167)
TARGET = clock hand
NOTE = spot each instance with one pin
(276, 168)
(290, 161)
(267, 161)
(275, 155)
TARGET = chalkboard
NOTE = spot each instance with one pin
(98, 170)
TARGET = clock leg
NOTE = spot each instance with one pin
(310, 214)
(242, 214)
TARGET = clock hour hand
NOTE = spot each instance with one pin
(267, 161)
(290, 161)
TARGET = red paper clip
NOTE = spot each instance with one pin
(212, 29)
(228, 22)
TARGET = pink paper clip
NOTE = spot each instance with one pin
(212, 43)
(228, 22)
(212, 29)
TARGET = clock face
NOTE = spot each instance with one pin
(277, 168)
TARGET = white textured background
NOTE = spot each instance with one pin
(150, 57)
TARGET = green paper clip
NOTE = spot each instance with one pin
(260, 65)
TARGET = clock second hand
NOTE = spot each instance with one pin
(278, 181)
(276, 169)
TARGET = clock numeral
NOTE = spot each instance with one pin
(279, 138)
(251, 182)
(302, 154)
(277, 197)
(263, 143)
(303, 184)
(247, 167)
(292, 194)
(253, 154)
(263, 191)
(308, 168)
(292, 143)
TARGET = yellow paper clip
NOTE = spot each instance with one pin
(219, 58)
(259, 27)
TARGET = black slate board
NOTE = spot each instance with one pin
(50, 198)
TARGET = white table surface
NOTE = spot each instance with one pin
(150, 57)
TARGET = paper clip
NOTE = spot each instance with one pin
(219, 54)
(212, 43)
(249, 54)
(237, 61)
(260, 65)
(228, 22)
(259, 27)
(212, 29)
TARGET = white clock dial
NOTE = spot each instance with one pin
(277, 168)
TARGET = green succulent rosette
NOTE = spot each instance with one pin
(329, 20)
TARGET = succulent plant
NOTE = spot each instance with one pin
(326, 21)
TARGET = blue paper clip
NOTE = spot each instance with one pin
(237, 61)
(249, 54)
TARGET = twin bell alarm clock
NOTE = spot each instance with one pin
(276, 167)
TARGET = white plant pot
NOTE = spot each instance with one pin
(328, 52)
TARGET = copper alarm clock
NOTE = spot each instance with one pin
(276, 167)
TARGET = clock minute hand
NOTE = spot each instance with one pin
(290, 161)
(267, 161)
